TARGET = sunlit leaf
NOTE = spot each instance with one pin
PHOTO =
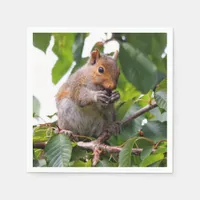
(126, 89)
(42, 134)
(80, 163)
(161, 150)
(151, 159)
(63, 49)
(37, 153)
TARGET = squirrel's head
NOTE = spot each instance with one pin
(105, 72)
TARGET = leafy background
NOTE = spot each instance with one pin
(143, 79)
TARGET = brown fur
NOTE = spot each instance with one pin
(62, 94)
(81, 101)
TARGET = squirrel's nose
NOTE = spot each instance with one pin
(112, 86)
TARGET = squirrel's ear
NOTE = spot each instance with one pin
(95, 55)
(115, 55)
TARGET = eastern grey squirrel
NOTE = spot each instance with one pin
(85, 102)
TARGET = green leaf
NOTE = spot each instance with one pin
(105, 163)
(161, 150)
(63, 49)
(163, 163)
(146, 145)
(41, 40)
(146, 152)
(116, 140)
(161, 99)
(51, 116)
(161, 94)
(137, 68)
(58, 151)
(131, 129)
(143, 142)
(126, 89)
(77, 47)
(78, 153)
(151, 159)
(162, 86)
(39, 163)
(145, 99)
(157, 115)
(125, 154)
(37, 153)
(151, 44)
(122, 110)
(159, 42)
(160, 76)
(136, 160)
(141, 41)
(36, 107)
(42, 133)
(161, 64)
(80, 64)
(155, 130)
(80, 163)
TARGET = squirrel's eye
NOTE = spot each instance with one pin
(101, 70)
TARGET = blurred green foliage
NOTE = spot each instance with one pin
(143, 79)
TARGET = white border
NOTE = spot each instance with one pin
(168, 169)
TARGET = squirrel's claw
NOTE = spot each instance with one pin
(114, 97)
(102, 97)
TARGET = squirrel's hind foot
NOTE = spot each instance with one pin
(114, 128)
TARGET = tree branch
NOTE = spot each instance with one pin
(105, 136)
(107, 148)
(39, 145)
(96, 145)
(139, 112)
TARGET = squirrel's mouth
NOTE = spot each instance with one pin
(109, 91)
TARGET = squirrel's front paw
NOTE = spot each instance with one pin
(114, 128)
(102, 97)
(114, 96)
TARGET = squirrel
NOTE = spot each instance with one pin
(85, 102)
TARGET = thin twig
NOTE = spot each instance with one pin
(139, 112)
